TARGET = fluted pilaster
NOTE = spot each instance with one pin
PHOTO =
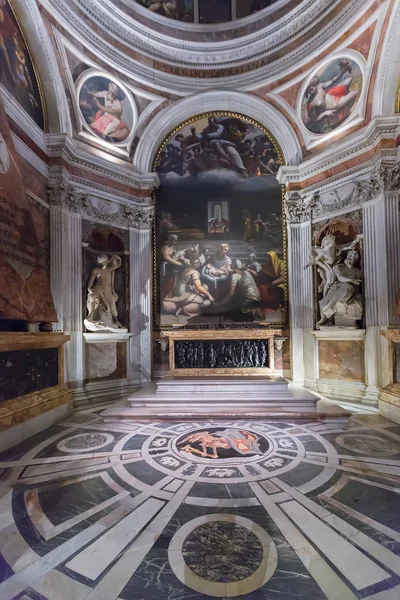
(141, 301)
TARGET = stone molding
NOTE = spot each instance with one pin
(78, 154)
(300, 207)
(197, 54)
(361, 142)
(80, 201)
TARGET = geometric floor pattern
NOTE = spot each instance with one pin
(190, 511)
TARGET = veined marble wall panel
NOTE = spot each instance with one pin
(341, 359)
(105, 361)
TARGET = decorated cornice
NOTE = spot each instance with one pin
(78, 154)
(261, 54)
(91, 206)
(384, 178)
(300, 207)
(335, 160)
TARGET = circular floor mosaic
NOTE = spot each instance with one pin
(209, 552)
(372, 445)
(213, 553)
(223, 443)
(85, 441)
(248, 452)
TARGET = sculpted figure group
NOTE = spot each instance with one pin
(341, 302)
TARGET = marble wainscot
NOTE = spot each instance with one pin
(340, 359)
(389, 397)
(33, 394)
(106, 360)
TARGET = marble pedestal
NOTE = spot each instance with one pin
(221, 398)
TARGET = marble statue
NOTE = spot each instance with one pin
(102, 299)
(341, 303)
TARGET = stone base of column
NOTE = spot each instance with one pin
(103, 391)
(371, 395)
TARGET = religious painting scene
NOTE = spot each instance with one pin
(24, 242)
(219, 233)
(205, 11)
(180, 10)
(106, 109)
(17, 73)
(331, 95)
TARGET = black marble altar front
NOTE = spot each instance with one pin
(26, 371)
(220, 354)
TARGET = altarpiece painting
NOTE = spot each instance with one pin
(220, 234)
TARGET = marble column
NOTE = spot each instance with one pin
(141, 273)
(381, 280)
(301, 297)
(66, 277)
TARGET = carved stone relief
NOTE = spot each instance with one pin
(137, 216)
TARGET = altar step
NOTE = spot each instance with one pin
(221, 399)
(221, 385)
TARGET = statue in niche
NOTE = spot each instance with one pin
(102, 299)
(341, 303)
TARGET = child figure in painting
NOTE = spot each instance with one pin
(107, 121)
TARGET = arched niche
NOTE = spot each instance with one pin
(216, 100)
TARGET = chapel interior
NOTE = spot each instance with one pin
(199, 299)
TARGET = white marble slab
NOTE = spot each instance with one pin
(92, 561)
(357, 568)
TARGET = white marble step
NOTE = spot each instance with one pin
(322, 411)
(221, 385)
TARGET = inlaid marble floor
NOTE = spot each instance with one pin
(188, 511)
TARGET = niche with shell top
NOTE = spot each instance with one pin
(98, 240)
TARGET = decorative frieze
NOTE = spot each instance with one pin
(384, 178)
(122, 214)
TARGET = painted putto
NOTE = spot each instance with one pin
(219, 224)
(331, 95)
(106, 109)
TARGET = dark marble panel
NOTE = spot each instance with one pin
(63, 503)
(26, 371)
(16, 452)
(301, 474)
(135, 443)
(144, 472)
(220, 354)
(379, 504)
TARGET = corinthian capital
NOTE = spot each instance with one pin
(298, 208)
(139, 217)
(66, 195)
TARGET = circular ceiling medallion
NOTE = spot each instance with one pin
(331, 95)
